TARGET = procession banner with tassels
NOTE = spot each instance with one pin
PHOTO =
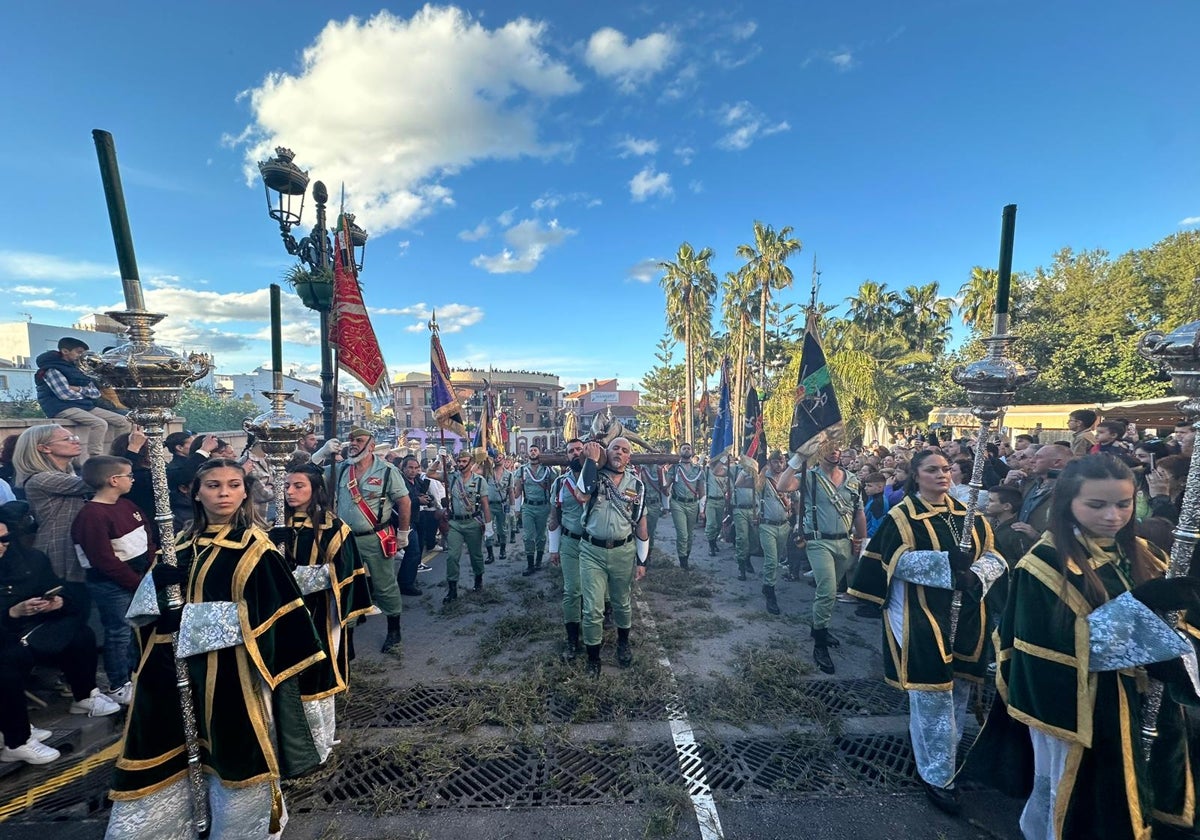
(722, 432)
(350, 330)
(816, 416)
(447, 410)
(755, 435)
(481, 441)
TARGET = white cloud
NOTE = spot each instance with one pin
(550, 200)
(742, 31)
(633, 147)
(474, 235)
(696, 186)
(451, 317)
(1190, 220)
(746, 124)
(28, 265)
(506, 218)
(426, 97)
(686, 81)
(402, 246)
(842, 59)
(644, 271)
(730, 60)
(685, 154)
(628, 63)
(528, 241)
(56, 306)
(648, 183)
(30, 290)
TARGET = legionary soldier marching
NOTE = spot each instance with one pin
(500, 498)
(716, 499)
(775, 502)
(745, 505)
(467, 494)
(533, 485)
(656, 496)
(683, 492)
(565, 529)
(614, 547)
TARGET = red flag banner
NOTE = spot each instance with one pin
(350, 330)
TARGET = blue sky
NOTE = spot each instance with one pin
(523, 166)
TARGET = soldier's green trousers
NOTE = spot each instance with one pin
(774, 545)
(533, 526)
(830, 560)
(499, 516)
(684, 515)
(606, 570)
(568, 558)
(469, 532)
(714, 513)
(653, 512)
(385, 591)
(743, 526)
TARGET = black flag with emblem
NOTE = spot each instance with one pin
(816, 415)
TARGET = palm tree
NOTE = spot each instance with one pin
(874, 307)
(977, 298)
(925, 317)
(765, 262)
(738, 293)
(690, 285)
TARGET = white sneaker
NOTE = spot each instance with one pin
(95, 705)
(123, 695)
(39, 734)
(31, 752)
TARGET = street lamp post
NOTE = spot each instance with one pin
(285, 185)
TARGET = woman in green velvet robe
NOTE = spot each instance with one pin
(1078, 628)
(246, 637)
(332, 578)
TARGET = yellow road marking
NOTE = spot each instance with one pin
(30, 797)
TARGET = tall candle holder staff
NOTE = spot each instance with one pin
(149, 378)
(991, 384)
(277, 431)
(1179, 354)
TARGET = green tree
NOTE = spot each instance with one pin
(690, 285)
(204, 411)
(662, 385)
(766, 262)
(925, 317)
(873, 307)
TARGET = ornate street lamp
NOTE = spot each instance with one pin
(285, 184)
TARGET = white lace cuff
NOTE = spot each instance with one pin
(926, 567)
(212, 625)
(1125, 633)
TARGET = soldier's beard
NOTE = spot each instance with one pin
(362, 455)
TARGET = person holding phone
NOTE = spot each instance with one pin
(43, 623)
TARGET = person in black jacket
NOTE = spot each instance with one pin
(44, 622)
(67, 393)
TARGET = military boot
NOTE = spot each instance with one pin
(772, 605)
(392, 641)
(593, 661)
(624, 650)
(538, 561)
(451, 592)
(573, 648)
(683, 561)
(478, 583)
(820, 637)
(712, 548)
(528, 566)
(490, 556)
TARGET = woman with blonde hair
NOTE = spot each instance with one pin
(43, 460)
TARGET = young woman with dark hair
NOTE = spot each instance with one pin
(245, 636)
(1077, 630)
(913, 568)
(333, 580)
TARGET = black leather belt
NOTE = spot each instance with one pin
(608, 543)
(824, 536)
(744, 507)
(457, 518)
(773, 522)
(675, 498)
(535, 504)
(572, 534)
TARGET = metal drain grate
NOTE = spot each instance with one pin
(858, 697)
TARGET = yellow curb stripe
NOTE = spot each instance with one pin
(28, 799)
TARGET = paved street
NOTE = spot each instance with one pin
(479, 730)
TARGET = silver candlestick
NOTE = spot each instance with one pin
(1179, 354)
(278, 433)
(149, 379)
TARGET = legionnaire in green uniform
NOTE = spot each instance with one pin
(466, 491)
(745, 516)
(651, 477)
(246, 636)
(500, 497)
(533, 486)
(715, 503)
(774, 486)
(684, 489)
(366, 492)
(912, 568)
(564, 530)
(834, 527)
(614, 547)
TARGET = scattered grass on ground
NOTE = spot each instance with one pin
(670, 803)
(765, 686)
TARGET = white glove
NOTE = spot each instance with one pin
(796, 462)
(489, 530)
(401, 539)
(330, 448)
(516, 508)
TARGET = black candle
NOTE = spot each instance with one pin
(1003, 285)
(276, 331)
